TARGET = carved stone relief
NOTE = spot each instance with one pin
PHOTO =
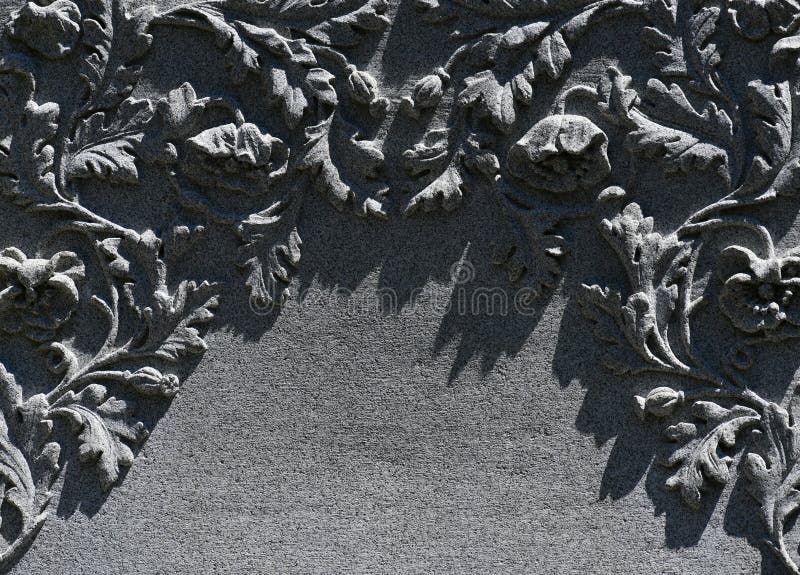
(521, 115)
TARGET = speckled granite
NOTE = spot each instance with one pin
(399, 286)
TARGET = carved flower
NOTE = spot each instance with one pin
(235, 158)
(37, 296)
(561, 154)
(754, 19)
(49, 30)
(763, 296)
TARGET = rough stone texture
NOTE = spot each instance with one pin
(389, 286)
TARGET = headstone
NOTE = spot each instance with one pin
(399, 286)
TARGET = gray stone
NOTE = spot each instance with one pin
(425, 286)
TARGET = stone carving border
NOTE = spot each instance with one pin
(296, 52)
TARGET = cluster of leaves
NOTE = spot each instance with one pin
(701, 144)
(698, 459)
(775, 475)
(299, 85)
(634, 328)
(684, 48)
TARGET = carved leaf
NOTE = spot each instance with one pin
(672, 103)
(444, 192)
(699, 459)
(665, 38)
(645, 254)
(17, 482)
(349, 29)
(287, 49)
(176, 118)
(317, 161)
(772, 105)
(520, 36)
(240, 57)
(98, 32)
(702, 54)
(173, 318)
(432, 156)
(773, 172)
(268, 281)
(104, 425)
(531, 257)
(113, 161)
(775, 476)
(553, 55)
(655, 265)
(675, 149)
(291, 98)
(26, 158)
(108, 151)
(616, 98)
(319, 83)
(603, 307)
(121, 74)
(489, 99)
(428, 156)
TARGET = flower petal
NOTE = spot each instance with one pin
(736, 302)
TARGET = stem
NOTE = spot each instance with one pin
(761, 231)
(107, 354)
(580, 90)
(86, 372)
(783, 553)
(745, 396)
(93, 222)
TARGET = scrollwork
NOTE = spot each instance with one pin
(320, 130)
(713, 403)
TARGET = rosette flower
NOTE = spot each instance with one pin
(37, 296)
(754, 19)
(235, 158)
(764, 296)
(51, 30)
(561, 154)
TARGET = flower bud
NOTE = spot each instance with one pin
(660, 402)
(150, 381)
(428, 91)
(363, 87)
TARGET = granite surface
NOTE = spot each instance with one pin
(399, 286)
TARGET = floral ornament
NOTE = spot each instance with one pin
(761, 298)
(561, 154)
(48, 30)
(754, 19)
(363, 88)
(37, 296)
(235, 158)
